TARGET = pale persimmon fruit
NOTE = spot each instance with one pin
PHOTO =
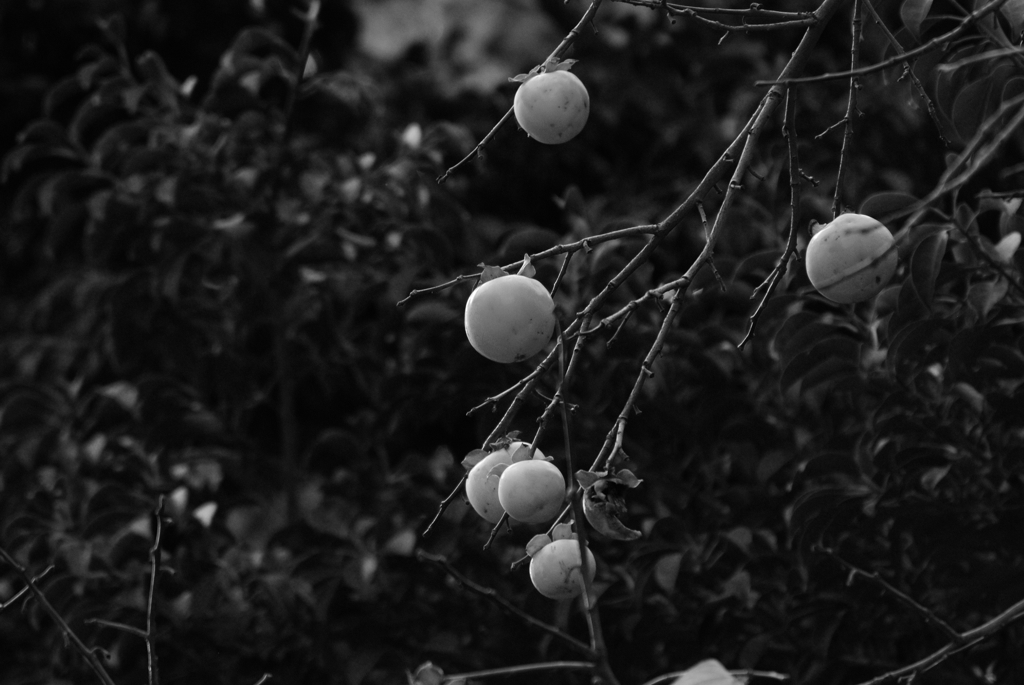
(510, 318)
(483, 479)
(532, 491)
(851, 259)
(552, 107)
(555, 569)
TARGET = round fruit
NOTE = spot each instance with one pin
(555, 569)
(482, 481)
(532, 491)
(851, 259)
(552, 106)
(510, 318)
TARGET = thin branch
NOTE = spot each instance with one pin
(265, 678)
(773, 280)
(931, 45)
(493, 596)
(89, 654)
(968, 639)
(154, 573)
(755, 11)
(908, 69)
(123, 627)
(444, 505)
(25, 590)
(851, 108)
(564, 248)
(597, 643)
(515, 670)
(745, 27)
(439, 287)
(927, 614)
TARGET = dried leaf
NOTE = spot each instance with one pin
(527, 269)
(626, 477)
(603, 514)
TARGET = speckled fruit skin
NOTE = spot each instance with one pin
(552, 106)
(555, 569)
(851, 259)
(482, 483)
(509, 319)
(532, 491)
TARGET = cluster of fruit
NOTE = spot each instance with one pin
(511, 318)
(520, 481)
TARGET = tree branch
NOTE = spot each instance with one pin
(88, 654)
(933, 44)
(491, 595)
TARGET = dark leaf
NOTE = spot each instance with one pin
(969, 107)
(913, 12)
(880, 205)
(909, 349)
(1013, 10)
(35, 157)
(924, 265)
(834, 348)
(986, 294)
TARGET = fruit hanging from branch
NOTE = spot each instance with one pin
(510, 318)
(555, 567)
(532, 491)
(552, 106)
(485, 476)
(851, 259)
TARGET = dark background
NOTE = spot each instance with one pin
(192, 309)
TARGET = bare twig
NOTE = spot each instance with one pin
(25, 590)
(968, 639)
(123, 627)
(773, 280)
(748, 139)
(923, 611)
(154, 573)
(565, 248)
(72, 637)
(755, 11)
(931, 45)
(516, 670)
(493, 596)
(597, 643)
(777, 20)
(851, 108)
(745, 27)
(909, 70)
